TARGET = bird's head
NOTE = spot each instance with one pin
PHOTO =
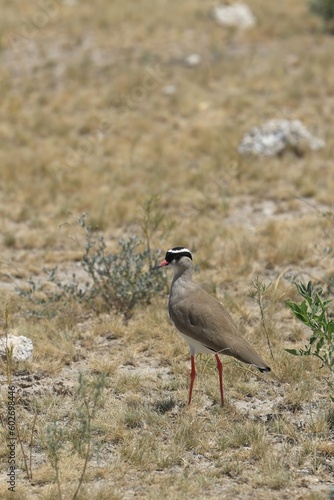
(177, 256)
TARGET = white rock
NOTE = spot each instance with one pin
(169, 89)
(22, 347)
(277, 135)
(193, 59)
(236, 14)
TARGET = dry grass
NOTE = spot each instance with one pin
(85, 127)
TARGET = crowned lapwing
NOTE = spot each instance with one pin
(203, 321)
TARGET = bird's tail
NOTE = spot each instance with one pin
(266, 369)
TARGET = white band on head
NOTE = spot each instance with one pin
(180, 250)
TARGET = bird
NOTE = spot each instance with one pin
(203, 321)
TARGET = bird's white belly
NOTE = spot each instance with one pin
(195, 346)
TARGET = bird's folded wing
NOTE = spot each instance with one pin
(202, 318)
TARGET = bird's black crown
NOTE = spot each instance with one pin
(176, 253)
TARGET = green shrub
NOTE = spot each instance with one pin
(117, 281)
(324, 9)
(313, 312)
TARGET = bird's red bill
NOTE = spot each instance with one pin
(163, 263)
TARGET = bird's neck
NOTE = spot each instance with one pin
(182, 274)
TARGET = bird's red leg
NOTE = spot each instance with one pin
(192, 377)
(220, 372)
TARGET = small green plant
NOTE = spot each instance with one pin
(114, 281)
(28, 464)
(9, 372)
(9, 349)
(152, 220)
(313, 312)
(257, 292)
(76, 438)
(54, 444)
(88, 397)
(324, 9)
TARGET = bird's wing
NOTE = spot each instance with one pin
(204, 319)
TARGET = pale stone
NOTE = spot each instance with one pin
(169, 90)
(277, 135)
(22, 347)
(193, 59)
(236, 15)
